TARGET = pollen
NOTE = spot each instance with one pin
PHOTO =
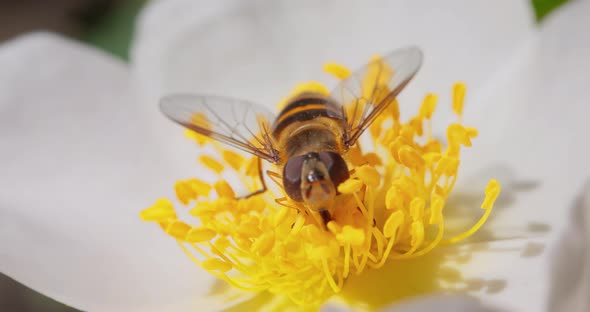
(392, 207)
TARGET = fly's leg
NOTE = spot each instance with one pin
(263, 189)
(275, 177)
(281, 201)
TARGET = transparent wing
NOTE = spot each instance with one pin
(241, 124)
(369, 90)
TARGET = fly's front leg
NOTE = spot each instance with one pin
(275, 177)
(283, 201)
(262, 182)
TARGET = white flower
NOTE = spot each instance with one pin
(84, 147)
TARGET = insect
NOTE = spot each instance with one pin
(308, 138)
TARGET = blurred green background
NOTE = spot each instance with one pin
(108, 25)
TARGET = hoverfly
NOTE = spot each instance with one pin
(307, 139)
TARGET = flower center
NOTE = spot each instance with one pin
(391, 208)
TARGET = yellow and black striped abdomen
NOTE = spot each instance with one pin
(309, 123)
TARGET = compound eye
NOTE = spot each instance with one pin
(336, 167)
(292, 178)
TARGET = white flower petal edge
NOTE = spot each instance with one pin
(570, 280)
(260, 50)
(77, 167)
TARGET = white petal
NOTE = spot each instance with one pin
(536, 124)
(535, 120)
(439, 303)
(261, 50)
(78, 164)
(570, 282)
(191, 46)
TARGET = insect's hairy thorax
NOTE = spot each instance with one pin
(309, 123)
(306, 138)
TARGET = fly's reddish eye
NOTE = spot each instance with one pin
(336, 167)
(292, 178)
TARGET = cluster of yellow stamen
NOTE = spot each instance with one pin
(391, 208)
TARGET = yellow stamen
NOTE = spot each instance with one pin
(199, 138)
(264, 244)
(458, 135)
(201, 120)
(368, 175)
(223, 189)
(337, 70)
(178, 229)
(216, 265)
(252, 167)
(211, 163)
(393, 223)
(235, 160)
(197, 235)
(458, 97)
(199, 188)
(428, 106)
(492, 192)
(350, 186)
(161, 211)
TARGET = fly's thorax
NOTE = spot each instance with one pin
(309, 122)
(304, 138)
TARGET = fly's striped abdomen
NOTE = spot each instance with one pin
(309, 122)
